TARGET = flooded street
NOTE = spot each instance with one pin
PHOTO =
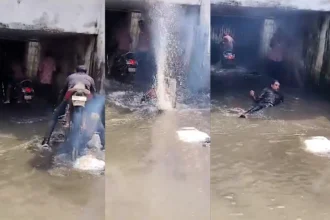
(150, 173)
(30, 193)
(259, 169)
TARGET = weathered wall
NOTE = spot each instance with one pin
(317, 5)
(141, 4)
(99, 56)
(316, 51)
(267, 31)
(79, 16)
(319, 61)
(134, 29)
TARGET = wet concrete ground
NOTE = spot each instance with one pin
(151, 174)
(259, 169)
(27, 192)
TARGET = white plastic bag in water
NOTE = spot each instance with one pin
(94, 142)
(89, 163)
(192, 135)
(317, 145)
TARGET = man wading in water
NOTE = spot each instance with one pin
(269, 97)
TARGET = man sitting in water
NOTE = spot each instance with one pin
(150, 95)
(269, 97)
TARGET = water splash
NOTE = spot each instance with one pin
(87, 143)
(164, 40)
(180, 47)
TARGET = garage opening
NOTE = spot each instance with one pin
(267, 44)
(117, 26)
(245, 35)
(128, 48)
(283, 44)
(24, 55)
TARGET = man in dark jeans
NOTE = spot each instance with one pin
(269, 97)
(80, 76)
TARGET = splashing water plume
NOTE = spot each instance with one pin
(163, 29)
(175, 33)
(161, 38)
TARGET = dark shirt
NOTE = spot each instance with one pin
(270, 96)
(76, 78)
(83, 78)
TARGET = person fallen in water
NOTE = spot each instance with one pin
(149, 95)
(269, 97)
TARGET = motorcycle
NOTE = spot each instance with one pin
(24, 91)
(124, 67)
(228, 59)
(78, 97)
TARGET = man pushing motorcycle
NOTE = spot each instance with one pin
(79, 77)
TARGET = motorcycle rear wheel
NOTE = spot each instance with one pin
(76, 131)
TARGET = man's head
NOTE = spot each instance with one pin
(141, 25)
(275, 85)
(81, 69)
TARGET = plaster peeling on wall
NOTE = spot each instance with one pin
(91, 24)
(21, 26)
(317, 5)
(45, 20)
(2, 25)
(69, 16)
(142, 3)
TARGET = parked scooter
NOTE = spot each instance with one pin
(124, 68)
(228, 59)
(24, 91)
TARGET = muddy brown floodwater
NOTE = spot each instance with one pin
(34, 194)
(150, 174)
(259, 169)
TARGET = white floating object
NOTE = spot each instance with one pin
(89, 163)
(236, 110)
(192, 135)
(318, 145)
(95, 142)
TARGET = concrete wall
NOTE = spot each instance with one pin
(140, 4)
(319, 53)
(99, 56)
(79, 16)
(317, 5)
